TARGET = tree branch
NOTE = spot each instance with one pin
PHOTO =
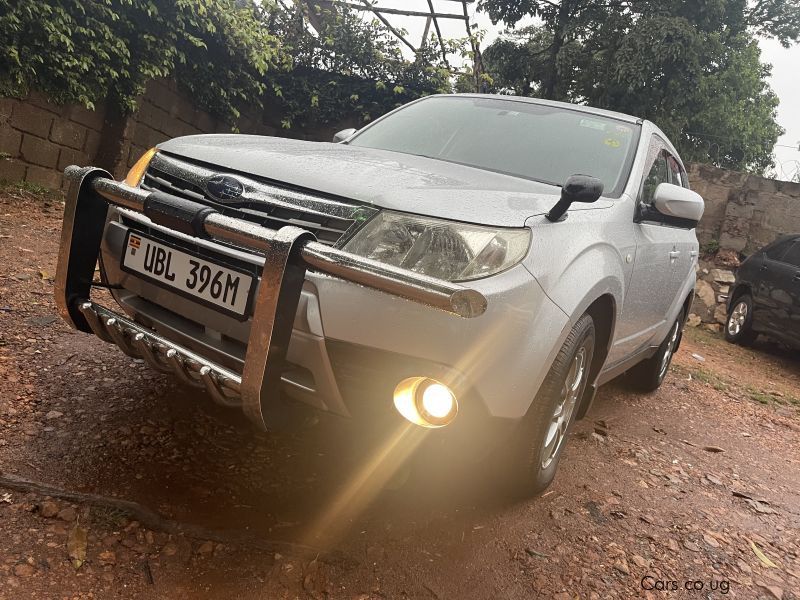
(154, 521)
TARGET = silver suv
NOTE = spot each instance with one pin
(466, 264)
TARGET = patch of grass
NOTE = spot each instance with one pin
(701, 375)
(27, 189)
(709, 378)
(763, 397)
(24, 186)
(720, 386)
(759, 396)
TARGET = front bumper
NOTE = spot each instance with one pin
(286, 255)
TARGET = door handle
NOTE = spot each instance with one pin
(797, 276)
(674, 254)
(763, 268)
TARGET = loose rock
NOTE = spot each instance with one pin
(48, 509)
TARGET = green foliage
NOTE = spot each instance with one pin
(87, 51)
(710, 248)
(226, 54)
(691, 67)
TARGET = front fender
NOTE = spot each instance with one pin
(574, 274)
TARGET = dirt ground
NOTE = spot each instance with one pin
(688, 492)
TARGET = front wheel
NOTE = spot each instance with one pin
(649, 374)
(542, 434)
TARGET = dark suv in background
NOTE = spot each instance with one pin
(766, 295)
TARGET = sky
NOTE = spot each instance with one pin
(785, 79)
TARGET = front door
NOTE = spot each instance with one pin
(785, 293)
(793, 259)
(653, 286)
(776, 292)
(687, 248)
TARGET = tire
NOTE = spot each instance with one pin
(649, 374)
(541, 437)
(739, 325)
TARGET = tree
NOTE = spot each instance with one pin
(563, 21)
(349, 68)
(692, 67)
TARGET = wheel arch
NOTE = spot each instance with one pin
(604, 314)
(603, 311)
(739, 290)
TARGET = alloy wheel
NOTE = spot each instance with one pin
(568, 401)
(737, 318)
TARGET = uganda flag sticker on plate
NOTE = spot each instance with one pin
(134, 242)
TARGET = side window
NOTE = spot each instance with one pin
(684, 178)
(777, 251)
(677, 175)
(793, 255)
(659, 173)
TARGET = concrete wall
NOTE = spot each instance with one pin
(744, 212)
(166, 113)
(38, 139)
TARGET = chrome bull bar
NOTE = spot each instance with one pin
(139, 342)
(289, 252)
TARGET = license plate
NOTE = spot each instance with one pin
(206, 282)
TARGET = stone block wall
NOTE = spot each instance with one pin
(38, 139)
(165, 113)
(744, 212)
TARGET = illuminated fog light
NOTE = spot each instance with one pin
(425, 402)
(437, 401)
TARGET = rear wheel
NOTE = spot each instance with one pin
(738, 327)
(542, 435)
(649, 374)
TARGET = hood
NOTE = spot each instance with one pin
(382, 178)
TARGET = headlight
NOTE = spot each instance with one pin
(136, 174)
(444, 249)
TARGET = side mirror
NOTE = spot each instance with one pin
(677, 202)
(343, 135)
(577, 188)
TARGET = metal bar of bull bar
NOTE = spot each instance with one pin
(289, 252)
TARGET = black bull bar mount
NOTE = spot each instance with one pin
(288, 253)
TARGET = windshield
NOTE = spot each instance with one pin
(533, 141)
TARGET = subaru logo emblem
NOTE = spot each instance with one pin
(224, 188)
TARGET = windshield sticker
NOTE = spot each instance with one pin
(590, 124)
(612, 143)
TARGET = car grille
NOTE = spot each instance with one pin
(269, 205)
